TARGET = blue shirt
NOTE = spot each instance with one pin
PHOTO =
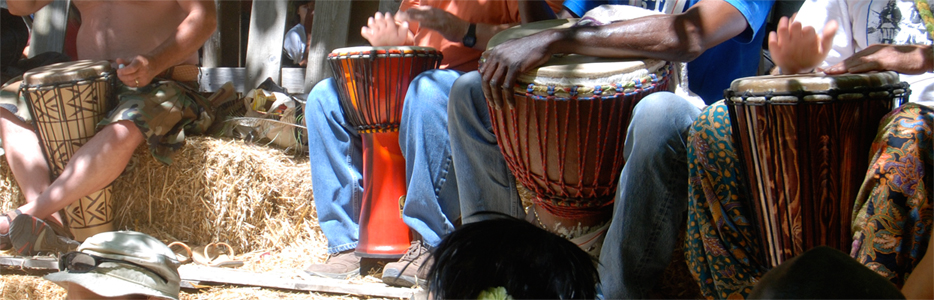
(712, 72)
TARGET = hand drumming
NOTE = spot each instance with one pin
(386, 30)
(796, 49)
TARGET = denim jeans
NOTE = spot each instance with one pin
(335, 152)
(650, 201)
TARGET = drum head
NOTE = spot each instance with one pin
(765, 88)
(66, 71)
(528, 29)
(365, 50)
(576, 70)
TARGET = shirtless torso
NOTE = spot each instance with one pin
(148, 36)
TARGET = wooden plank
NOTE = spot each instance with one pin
(211, 51)
(212, 79)
(328, 31)
(49, 26)
(203, 274)
(264, 48)
(223, 48)
(39, 263)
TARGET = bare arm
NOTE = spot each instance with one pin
(905, 59)
(194, 30)
(451, 27)
(679, 37)
(26, 7)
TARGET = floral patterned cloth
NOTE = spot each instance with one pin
(893, 207)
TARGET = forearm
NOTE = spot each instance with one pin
(679, 37)
(658, 37)
(190, 36)
(26, 7)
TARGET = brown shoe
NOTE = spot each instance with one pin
(411, 269)
(340, 266)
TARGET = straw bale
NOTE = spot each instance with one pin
(255, 198)
(15, 287)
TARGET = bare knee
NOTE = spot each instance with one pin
(122, 133)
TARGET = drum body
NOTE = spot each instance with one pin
(804, 143)
(564, 137)
(67, 100)
(372, 82)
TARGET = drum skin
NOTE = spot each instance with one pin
(804, 143)
(67, 101)
(564, 137)
(372, 83)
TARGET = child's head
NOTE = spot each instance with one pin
(527, 261)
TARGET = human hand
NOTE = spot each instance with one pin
(503, 64)
(905, 59)
(137, 72)
(796, 49)
(448, 25)
(384, 30)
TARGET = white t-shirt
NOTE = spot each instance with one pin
(294, 43)
(866, 22)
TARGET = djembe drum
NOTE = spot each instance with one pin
(67, 100)
(563, 139)
(804, 143)
(372, 82)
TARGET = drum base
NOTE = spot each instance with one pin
(91, 214)
(382, 232)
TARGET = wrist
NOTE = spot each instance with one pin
(469, 38)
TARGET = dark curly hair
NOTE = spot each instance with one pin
(528, 261)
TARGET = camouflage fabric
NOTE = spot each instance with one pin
(164, 111)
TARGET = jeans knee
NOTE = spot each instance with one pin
(464, 100)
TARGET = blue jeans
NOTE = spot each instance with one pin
(650, 201)
(335, 152)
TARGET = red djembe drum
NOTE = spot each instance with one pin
(67, 100)
(804, 143)
(372, 82)
(563, 140)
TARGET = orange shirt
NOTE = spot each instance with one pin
(456, 56)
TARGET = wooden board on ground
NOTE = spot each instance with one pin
(29, 263)
(200, 275)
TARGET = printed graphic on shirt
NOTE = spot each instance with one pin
(895, 22)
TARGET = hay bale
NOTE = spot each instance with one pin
(251, 196)
(256, 198)
(29, 287)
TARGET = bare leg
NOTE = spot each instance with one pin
(24, 155)
(93, 167)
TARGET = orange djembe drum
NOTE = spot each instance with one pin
(372, 82)
(563, 139)
(67, 100)
(804, 143)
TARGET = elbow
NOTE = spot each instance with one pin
(690, 52)
(684, 51)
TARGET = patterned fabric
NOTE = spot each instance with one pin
(893, 214)
(924, 10)
(721, 247)
(164, 111)
(893, 207)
